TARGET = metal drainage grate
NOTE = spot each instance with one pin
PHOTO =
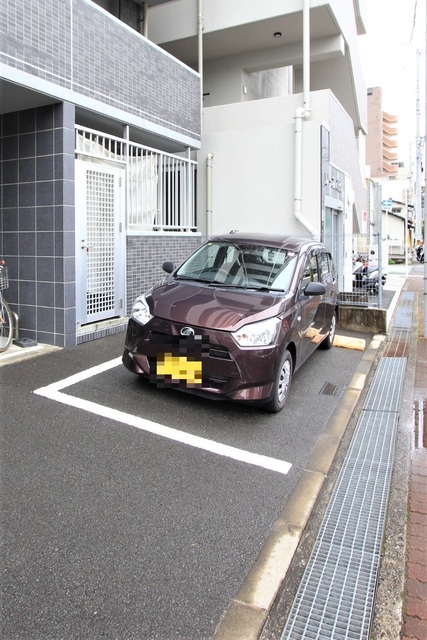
(398, 344)
(407, 298)
(384, 394)
(329, 389)
(336, 596)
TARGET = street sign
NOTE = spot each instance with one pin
(387, 204)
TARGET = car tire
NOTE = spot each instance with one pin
(329, 340)
(282, 384)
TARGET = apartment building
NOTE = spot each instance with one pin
(132, 130)
(98, 128)
(381, 143)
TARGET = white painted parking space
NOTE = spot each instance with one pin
(54, 392)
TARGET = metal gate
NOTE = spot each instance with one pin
(99, 251)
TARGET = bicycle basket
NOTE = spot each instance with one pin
(4, 278)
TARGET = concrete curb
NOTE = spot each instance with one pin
(17, 354)
(248, 611)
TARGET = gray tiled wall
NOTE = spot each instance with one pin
(74, 44)
(145, 256)
(37, 220)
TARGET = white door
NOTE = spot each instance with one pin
(334, 240)
(100, 280)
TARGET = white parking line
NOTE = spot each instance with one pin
(53, 392)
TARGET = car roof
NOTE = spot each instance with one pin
(293, 243)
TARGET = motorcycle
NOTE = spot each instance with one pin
(366, 277)
(419, 253)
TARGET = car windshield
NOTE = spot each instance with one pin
(240, 265)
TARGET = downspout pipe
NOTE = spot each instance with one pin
(209, 159)
(306, 56)
(142, 20)
(145, 19)
(200, 28)
(301, 114)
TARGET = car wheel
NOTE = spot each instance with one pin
(329, 340)
(282, 384)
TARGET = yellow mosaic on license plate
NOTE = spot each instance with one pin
(179, 368)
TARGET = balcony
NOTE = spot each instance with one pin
(389, 143)
(75, 51)
(390, 131)
(389, 118)
(245, 37)
(392, 157)
(389, 168)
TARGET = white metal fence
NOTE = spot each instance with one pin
(362, 268)
(160, 187)
(161, 191)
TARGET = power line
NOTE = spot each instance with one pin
(413, 21)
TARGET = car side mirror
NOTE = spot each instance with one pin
(314, 289)
(168, 266)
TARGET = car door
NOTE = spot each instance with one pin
(311, 310)
(328, 277)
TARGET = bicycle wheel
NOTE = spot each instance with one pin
(6, 325)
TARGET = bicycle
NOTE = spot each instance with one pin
(6, 317)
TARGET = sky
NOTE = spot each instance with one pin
(396, 29)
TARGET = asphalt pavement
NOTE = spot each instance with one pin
(121, 520)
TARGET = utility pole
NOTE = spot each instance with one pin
(418, 193)
(378, 214)
(425, 225)
(418, 211)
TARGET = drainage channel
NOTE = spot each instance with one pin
(335, 600)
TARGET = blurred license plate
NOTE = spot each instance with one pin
(179, 360)
(179, 369)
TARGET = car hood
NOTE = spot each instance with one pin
(212, 307)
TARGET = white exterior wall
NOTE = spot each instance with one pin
(177, 20)
(252, 136)
(225, 83)
(394, 234)
(253, 166)
(335, 60)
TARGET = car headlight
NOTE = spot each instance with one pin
(140, 310)
(257, 334)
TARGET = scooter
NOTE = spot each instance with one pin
(366, 277)
(419, 253)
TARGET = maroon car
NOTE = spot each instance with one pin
(237, 318)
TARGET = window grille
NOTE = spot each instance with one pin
(161, 191)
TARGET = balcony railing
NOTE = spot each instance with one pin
(160, 186)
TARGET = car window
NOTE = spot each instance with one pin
(243, 265)
(324, 264)
(200, 261)
(311, 273)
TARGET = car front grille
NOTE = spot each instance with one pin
(215, 350)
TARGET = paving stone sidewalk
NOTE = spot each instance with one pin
(414, 623)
